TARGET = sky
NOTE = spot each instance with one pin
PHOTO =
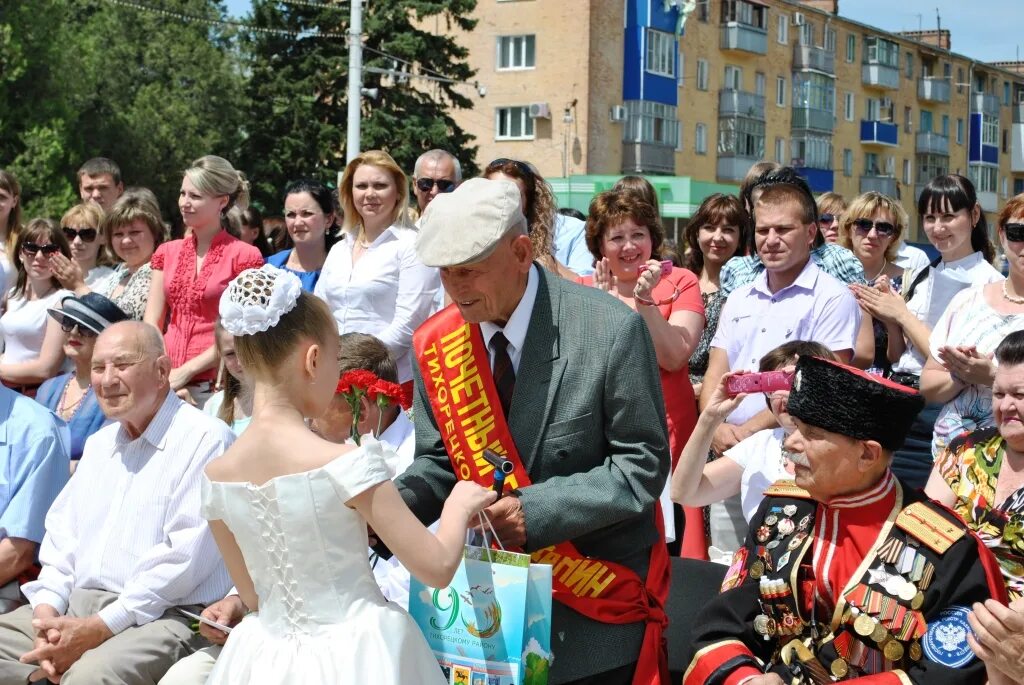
(986, 30)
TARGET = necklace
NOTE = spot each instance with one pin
(65, 411)
(1016, 299)
(885, 263)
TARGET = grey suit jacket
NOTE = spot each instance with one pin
(588, 419)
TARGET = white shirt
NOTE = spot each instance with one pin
(23, 326)
(973, 268)
(388, 292)
(517, 325)
(401, 437)
(760, 456)
(129, 521)
(910, 257)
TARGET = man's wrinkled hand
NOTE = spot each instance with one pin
(508, 520)
(75, 636)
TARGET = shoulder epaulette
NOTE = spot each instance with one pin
(786, 488)
(929, 527)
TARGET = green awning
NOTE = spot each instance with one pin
(679, 196)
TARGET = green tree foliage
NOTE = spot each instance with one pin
(87, 78)
(298, 89)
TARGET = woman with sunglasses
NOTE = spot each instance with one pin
(89, 263)
(955, 225)
(10, 223)
(70, 395)
(309, 218)
(32, 344)
(831, 207)
(871, 229)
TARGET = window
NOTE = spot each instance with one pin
(814, 90)
(661, 53)
(1006, 95)
(830, 40)
(700, 139)
(878, 50)
(847, 163)
(780, 151)
(848, 109)
(909, 66)
(871, 167)
(908, 119)
(851, 47)
(926, 120)
(906, 171)
(780, 91)
(873, 109)
(807, 34)
(733, 78)
(782, 28)
(812, 150)
(945, 125)
(703, 11)
(930, 166)
(516, 52)
(989, 130)
(744, 13)
(513, 123)
(947, 70)
(739, 137)
(1018, 186)
(702, 74)
(959, 131)
(984, 178)
(959, 79)
(759, 81)
(651, 122)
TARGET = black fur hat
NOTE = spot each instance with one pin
(848, 401)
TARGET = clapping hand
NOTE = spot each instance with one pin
(604, 279)
(967, 365)
(998, 638)
(67, 271)
(880, 301)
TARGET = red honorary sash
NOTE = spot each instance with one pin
(456, 373)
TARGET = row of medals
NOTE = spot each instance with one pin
(776, 617)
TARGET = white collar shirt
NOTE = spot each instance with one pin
(129, 521)
(517, 324)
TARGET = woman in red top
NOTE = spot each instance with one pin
(625, 236)
(190, 274)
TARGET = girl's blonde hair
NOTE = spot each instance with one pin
(865, 206)
(382, 160)
(213, 175)
(89, 215)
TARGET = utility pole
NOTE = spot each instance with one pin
(355, 78)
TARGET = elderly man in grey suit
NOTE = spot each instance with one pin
(563, 381)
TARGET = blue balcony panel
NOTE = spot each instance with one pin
(879, 133)
(820, 180)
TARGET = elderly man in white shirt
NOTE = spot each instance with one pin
(125, 543)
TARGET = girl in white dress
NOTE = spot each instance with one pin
(290, 510)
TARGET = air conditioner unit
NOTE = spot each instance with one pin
(540, 110)
(617, 114)
(798, 19)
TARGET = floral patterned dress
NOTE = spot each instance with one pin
(971, 468)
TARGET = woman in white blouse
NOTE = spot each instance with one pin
(372, 279)
(955, 225)
(33, 341)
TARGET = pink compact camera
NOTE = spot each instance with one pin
(666, 267)
(769, 381)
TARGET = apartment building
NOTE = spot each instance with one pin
(588, 90)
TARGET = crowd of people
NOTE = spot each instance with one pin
(270, 422)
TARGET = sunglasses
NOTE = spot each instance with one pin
(32, 249)
(883, 228)
(1014, 232)
(86, 234)
(522, 167)
(826, 218)
(443, 184)
(67, 327)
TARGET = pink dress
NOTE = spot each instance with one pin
(193, 300)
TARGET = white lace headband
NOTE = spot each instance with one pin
(257, 299)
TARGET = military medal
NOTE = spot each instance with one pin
(907, 592)
(786, 526)
(797, 540)
(915, 651)
(789, 509)
(917, 601)
(804, 522)
(763, 533)
(879, 634)
(757, 569)
(784, 559)
(773, 544)
(864, 625)
(764, 625)
(771, 520)
(893, 650)
(839, 667)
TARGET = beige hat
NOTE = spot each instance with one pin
(465, 225)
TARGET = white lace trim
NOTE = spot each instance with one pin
(257, 299)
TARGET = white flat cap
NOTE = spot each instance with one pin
(465, 225)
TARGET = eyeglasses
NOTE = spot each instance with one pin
(883, 228)
(32, 249)
(1014, 232)
(86, 234)
(67, 327)
(443, 184)
(826, 218)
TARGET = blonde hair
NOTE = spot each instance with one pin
(214, 175)
(831, 203)
(865, 206)
(262, 353)
(378, 158)
(89, 215)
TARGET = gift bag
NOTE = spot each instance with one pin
(492, 624)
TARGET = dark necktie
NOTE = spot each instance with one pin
(504, 373)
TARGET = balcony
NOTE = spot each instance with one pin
(1018, 112)
(810, 57)
(985, 103)
(933, 89)
(879, 133)
(744, 38)
(813, 118)
(740, 103)
(929, 143)
(648, 158)
(880, 75)
(886, 185)
(734, 168)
